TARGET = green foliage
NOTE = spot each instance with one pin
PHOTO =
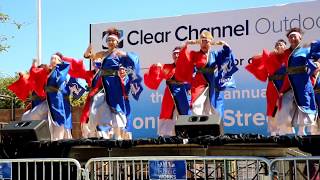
(5, 18)
(3, 46)
(6, 95)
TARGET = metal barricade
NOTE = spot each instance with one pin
(41, 169)
(306, 167)
(206, 167)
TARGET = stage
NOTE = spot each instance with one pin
(227, 145)
(83, 153)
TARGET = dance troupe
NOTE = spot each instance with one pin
(195, 84)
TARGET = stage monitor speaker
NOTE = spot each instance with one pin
(191, 126)
(24, 131)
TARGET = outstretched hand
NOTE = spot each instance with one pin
(88, 53)
(191, 42)
(221, 43)
(35, 62)
(122, 73)
(23, 74)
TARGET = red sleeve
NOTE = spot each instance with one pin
(167, 71)
(167, 105)
(38, 80)
(77, 68)
(258, 68)
(97, 87)
(184, 66)
(21, 88)
(273, 62)
(272, 98)
(88, 76)
(152, 79)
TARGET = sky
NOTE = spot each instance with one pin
(65, 23)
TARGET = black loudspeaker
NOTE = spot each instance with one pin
(191, 126)
(24, 131)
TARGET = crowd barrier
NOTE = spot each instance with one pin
(163, 167)
(295, 168)
(40, 169)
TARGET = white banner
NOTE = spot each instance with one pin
(247, 31)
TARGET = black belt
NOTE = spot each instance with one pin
(276, 77)
(51, 89)
(109, 72)
(91, 88)
(35, 98)
(297, 70)
(207, 70)
(173, 81)
(289, 70)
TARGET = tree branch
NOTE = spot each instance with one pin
(4, 18)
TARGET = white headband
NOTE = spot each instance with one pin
(113, 37)
(56, 57)
(295, 32)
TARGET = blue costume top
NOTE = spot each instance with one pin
(222, 62)
(58, 105)
(300, 68)
(117, 90)
(67, 108)
(314, 56)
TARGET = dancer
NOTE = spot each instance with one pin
(50, 82)
(298, 97)
(23, 88)
(93, 79)
(270, 66)
(115, 88)
(26, 89)
(59, 117)
(176, 98)
(213, 74)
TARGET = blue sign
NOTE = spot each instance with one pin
(75, 88)
(238, 118)
(159, 170)
(5, 171)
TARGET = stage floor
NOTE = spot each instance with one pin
(268, 150)
(227, 145)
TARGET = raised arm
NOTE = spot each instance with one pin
(22, 87)
(184, 63)
(88, 54)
